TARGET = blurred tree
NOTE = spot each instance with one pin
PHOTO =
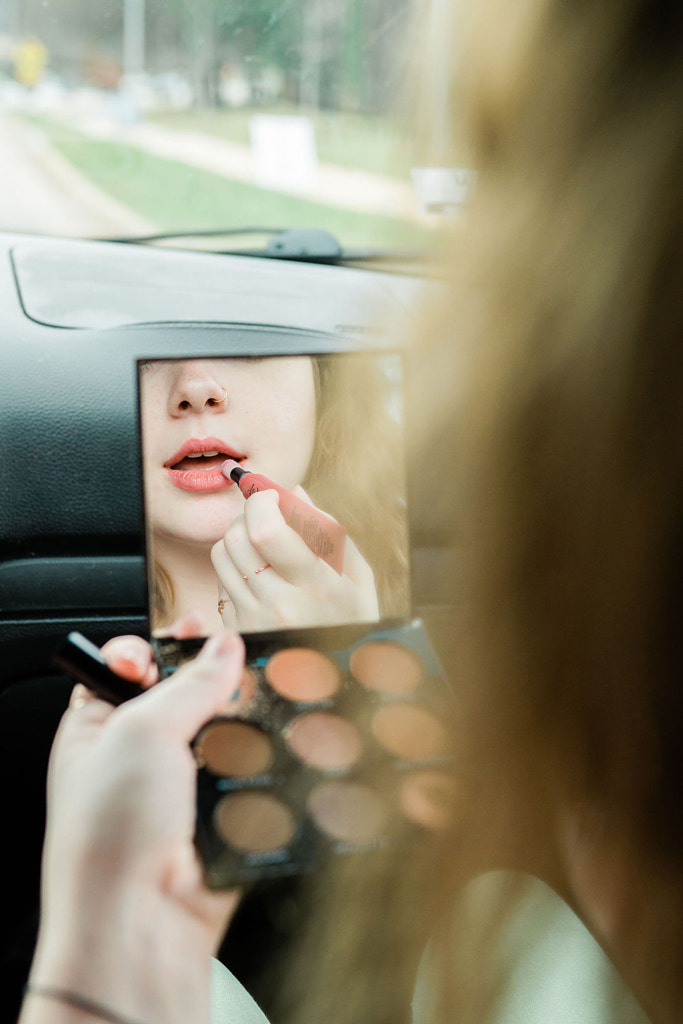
(333, 54)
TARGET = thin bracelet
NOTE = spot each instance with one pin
(79, 1002)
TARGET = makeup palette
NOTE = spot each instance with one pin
(338, 742)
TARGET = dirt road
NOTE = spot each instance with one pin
(41, 193)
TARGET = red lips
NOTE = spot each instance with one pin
(196, 466)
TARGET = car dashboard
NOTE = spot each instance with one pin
(76, 315)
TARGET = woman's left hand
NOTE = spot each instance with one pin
(126, 918)
(270, 579)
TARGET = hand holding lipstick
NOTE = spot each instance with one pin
(297, 588)
(119, 863)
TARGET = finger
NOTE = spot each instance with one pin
(355, 566)
(80, 726)
(84, 713)
(278, 544)
(187, 626)
(131, 657)
(226, 609)
(196, 692)
(301, 493)
(79, 696)
(234, 559)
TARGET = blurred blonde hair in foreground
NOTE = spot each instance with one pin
(550, 390)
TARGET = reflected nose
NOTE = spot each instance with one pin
(196, 390)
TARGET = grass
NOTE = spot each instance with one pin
(177, 197)
(360, 141)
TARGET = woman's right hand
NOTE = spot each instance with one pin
(270, 579)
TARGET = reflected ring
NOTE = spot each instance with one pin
(257, 571)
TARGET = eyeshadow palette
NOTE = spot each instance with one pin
(338, 742)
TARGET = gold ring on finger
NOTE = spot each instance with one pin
(257, 571)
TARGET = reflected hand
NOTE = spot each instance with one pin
(270, 579)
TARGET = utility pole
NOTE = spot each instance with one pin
(133, 36)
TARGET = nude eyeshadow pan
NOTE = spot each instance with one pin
(340, 745)
(301, 674)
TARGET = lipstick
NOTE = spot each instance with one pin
(321, 533)
(84, 661)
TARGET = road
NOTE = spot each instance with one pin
(41, 193)
(332, 185)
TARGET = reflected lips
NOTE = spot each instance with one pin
(196, 466)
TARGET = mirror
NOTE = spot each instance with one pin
(327, 430)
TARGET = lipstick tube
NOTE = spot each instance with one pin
(321, 533)
(85, 662)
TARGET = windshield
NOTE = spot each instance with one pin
(122, 118)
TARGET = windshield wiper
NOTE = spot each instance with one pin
(303, 245)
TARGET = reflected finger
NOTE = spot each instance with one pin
(279, 546)
(226, 609)
(187, 626)
(233, 558)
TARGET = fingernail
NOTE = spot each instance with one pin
(79, 696)
(132, 656)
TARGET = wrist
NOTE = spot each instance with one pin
(133, 951)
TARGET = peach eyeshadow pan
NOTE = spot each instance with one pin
(410, 732)
(324, 740)
(386, 667)
(428, 798)
(301, 674)
(348, 811)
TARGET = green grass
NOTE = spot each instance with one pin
(177, 197)
(350, 140)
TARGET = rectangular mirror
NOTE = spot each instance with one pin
(328, 545)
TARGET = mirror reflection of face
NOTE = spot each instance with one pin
(198, 412)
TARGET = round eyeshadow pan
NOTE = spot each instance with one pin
(229, 747)
(386, 667)
(323, 740)
(301, 674)
(348, 811)
(427, 798)
(409, 732)
(254, 822)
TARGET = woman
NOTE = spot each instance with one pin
(298, 420)
(553, 379)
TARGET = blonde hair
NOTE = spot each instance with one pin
(552, 378)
